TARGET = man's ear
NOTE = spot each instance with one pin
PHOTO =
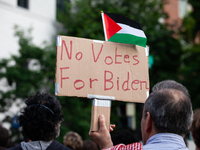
(148, 123)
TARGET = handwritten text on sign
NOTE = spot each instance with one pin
(85, 67)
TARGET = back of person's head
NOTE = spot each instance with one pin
(73, 140)
(4, 137)
(170, 84)
(90, 145)
(124, 136)
(170, 110)
(41, 117)
(195, 128)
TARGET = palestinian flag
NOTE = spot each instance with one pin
(118, 28)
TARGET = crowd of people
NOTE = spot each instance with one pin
(167, 117)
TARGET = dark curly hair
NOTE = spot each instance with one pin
(40, 117)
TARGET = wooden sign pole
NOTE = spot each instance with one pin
(100, 107)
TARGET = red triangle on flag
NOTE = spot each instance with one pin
(111, 27)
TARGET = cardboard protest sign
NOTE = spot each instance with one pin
(90, 67)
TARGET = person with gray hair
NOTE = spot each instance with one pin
(170, 84)
(167, 117)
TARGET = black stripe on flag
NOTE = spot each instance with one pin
(124, 20)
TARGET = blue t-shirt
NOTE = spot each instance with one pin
(165, 141)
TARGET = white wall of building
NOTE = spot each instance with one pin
(41, 16)
(10, 2)
(46, 8)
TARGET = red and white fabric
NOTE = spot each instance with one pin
(133, 146)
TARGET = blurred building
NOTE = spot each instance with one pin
(176, 11)
(37, 14)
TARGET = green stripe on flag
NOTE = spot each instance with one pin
(128, 39)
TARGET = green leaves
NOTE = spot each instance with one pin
(190, 73)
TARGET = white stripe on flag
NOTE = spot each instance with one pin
(130, 30)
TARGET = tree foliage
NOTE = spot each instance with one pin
(17, 73)
(195, 15)
(189, 71)
(82, 18)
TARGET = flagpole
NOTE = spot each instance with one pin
(108, 111)
(100, 104)
(104, 28)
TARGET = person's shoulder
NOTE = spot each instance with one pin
(18, 147)
(56, 145)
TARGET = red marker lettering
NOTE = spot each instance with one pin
(79, 56)
(69, 55)
(108, 63)
(126, 59)
(108, 80)
(134, 82)
(61, 77)
(79, 81)
(95, 59)
(117, 56)
(145, 85)
(92, 81)
(137, 61)
(126, 82)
